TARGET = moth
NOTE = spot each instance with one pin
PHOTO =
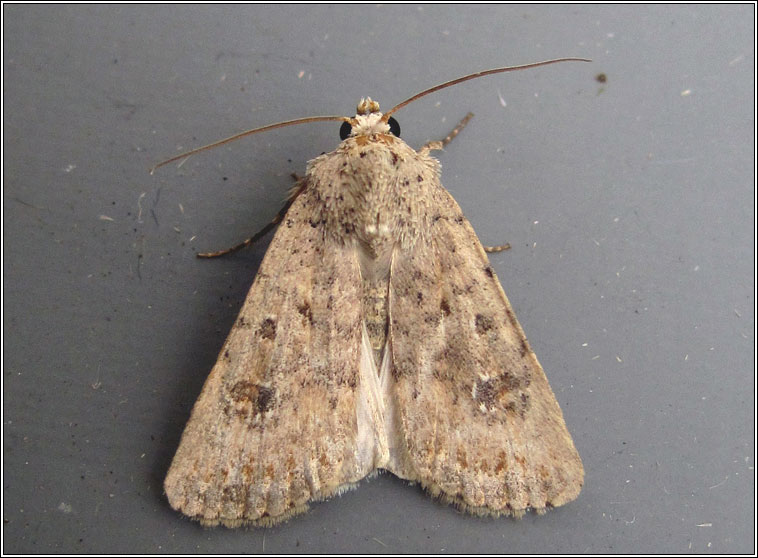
(375, 336)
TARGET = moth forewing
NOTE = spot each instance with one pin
(481, 424)
(375, 336)
(275, 425)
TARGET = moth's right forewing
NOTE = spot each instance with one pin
(476, 422)
(275, 425)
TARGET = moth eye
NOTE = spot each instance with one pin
(394, 127)
(345, 130)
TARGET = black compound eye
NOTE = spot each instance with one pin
(345, 130)
(394, 127)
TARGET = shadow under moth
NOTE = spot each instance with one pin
(375, 336)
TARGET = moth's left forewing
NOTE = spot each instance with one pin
(475, 420)
(278, 421)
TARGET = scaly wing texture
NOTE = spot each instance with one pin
(473, 418)
(276, 423)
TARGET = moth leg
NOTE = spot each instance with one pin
(294, 193)
(440, 145)
(432, 145)
(501, 248)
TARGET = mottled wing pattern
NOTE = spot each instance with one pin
(275, 425)
(475, 421)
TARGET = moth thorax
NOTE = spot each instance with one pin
(367, 106)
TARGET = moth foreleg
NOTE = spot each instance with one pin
(440, 145)
(432, 145)
(294, 193)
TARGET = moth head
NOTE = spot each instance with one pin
(368, 120)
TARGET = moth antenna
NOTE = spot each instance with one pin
(249, 133)
(387, 114)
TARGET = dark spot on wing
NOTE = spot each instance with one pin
(267, 329)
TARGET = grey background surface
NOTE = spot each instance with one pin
(629, 206)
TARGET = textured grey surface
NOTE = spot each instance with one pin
(629, 205)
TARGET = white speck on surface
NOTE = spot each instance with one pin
(502, 99)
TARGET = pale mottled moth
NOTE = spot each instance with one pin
(375, 336)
